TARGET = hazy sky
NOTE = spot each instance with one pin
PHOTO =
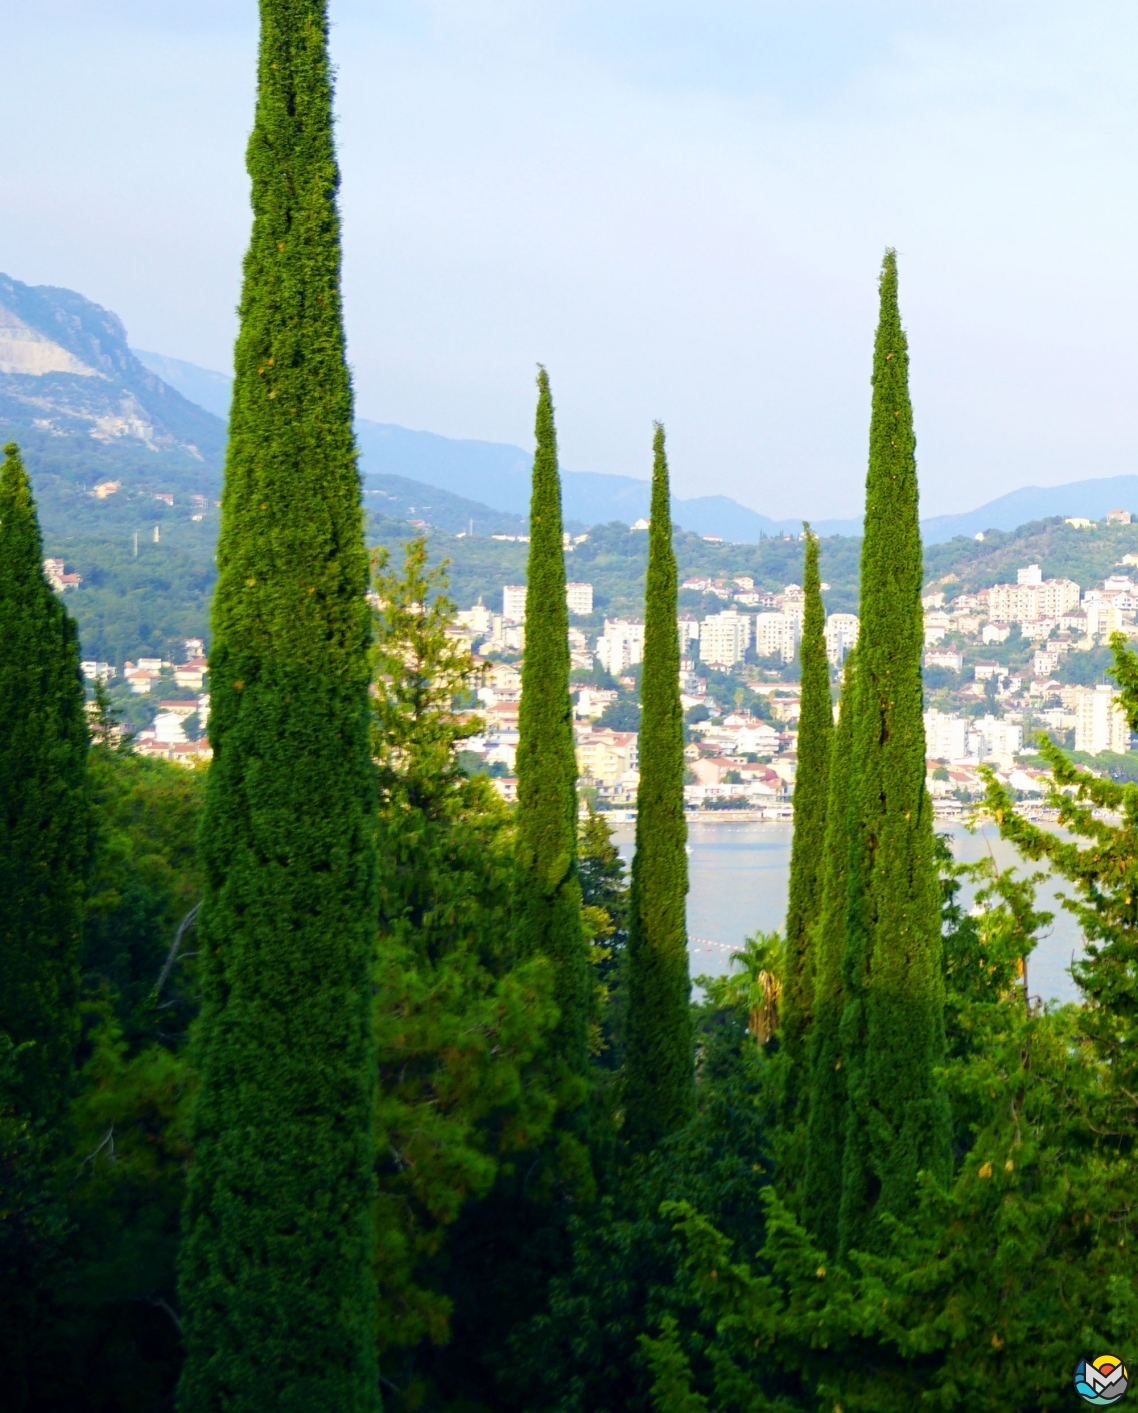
(679, 207)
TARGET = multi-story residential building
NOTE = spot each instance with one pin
(514, 602)
(1103, 617)
(191, 674)
(687, 626)
(603, 756)
(841, 635)
(621, 645)
(476, 620)
(776, 635)
(579, 599)
(724, 637)
(1100, 724)
(1031, 598)
(1035, 629)
(996, 633)
(946, 736)
(944, 657)
(1000, 739)
(937, 625)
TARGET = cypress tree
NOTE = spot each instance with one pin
(549, 902)
(811, 788)
(275, 1279)
(43, 807)
(826, 1113)
(659, 1069)
(893, 1030)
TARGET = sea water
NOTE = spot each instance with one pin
(739, 872)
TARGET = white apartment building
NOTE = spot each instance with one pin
(476, 620)
(946, 737)
(793, 605)
(1103, 618)
(776, 635)
(579, 598)
(1000, 739)
(621, 645)
(841, 635)
(688, 630)
(956, 738)
(1032, 598)
(514, 602)
(725, 637)
(1099, 721)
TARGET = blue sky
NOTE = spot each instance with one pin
(679, 207)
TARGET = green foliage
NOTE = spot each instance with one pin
(892, 1031)
(144, 879)
(808, 857)
(659, 1093)
(583, 1353)
(548, 903)
(459, 1023)
(826, 1115)
(275, 1270)
(43, 808)
(33, 1225)
(621, 715)
(605, 898)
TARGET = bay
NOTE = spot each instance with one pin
(739, 873)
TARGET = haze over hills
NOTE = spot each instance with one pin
(497, 475)
(86, 408)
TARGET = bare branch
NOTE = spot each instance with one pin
(172, 956)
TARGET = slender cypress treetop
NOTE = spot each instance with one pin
(659, 1069)
(826, 1118)
(43, 806)
(276, 1287)
(893, 1034)
(811, 788)
(549, 902)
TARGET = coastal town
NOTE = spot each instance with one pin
(1003, 665)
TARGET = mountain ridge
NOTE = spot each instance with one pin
(497, 474)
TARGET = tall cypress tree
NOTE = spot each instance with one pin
(549, 902)
(811, 788)
(826, 1115)
(659, 1070)
(893, 1032)
(275, 1279)
(43, 806)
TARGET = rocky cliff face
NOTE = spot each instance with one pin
(66, 372)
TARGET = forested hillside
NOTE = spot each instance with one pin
(128, 605)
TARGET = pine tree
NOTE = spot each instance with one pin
(43, 808)
(276, 1285)
(659, 1068)
(893, 1029)
(807, 856)
(549, 903)
(826, 1114)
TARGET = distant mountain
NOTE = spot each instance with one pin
(397, 498)
(499, 474)
(201, 385)
(66, 370)
(496, 474)
(1091, 499)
